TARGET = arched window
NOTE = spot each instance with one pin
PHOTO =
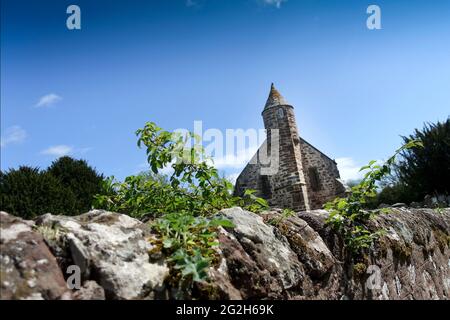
(265, 187)
(314, 178)
(280, 113)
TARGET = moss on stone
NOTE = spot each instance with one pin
(443, 239)
(401, 250)
(383, 246)
(107, 219)
(359, 269)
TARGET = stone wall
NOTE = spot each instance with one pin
(249, 178)
(306, 178)
(298, 257)
(283, 190)
(327, 186)
(288, 186)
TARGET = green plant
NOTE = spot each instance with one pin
(347, 215)
(139, 196)
(183, 203)
(286, 213)
(48, 233)
(194, 187)
(190, 242)
(359, 269)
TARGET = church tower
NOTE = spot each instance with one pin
(287, 187)
(288, 171)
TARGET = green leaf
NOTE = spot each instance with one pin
(168, 243)
(223, 223)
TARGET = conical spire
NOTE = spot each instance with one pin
(275, 98)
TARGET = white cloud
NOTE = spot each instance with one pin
(14, 134)
(83, 150)
(167, 170)
(233, 177)
(58, 151)
(349, 169)
(142, 166)
(275, 3)
(64, 150)
(48, 100)
(235, 160)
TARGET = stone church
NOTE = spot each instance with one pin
(305, 178)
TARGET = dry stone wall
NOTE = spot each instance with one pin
(298, 257)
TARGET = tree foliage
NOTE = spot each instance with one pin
(80, 178)
(67, 187)
(426, 170)
(420, 171)
(28, 192)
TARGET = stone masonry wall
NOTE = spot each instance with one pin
(249, 178)
(328, 185)
(299, 257)
(288, 185)
(277, 195)
(305, 177)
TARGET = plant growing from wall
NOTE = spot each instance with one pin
(194, 186)
(182, 205)
(347, 215)
(286, 213)
(191, 242)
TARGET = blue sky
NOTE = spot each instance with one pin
(85, 92)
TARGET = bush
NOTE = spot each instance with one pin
(80, 178)
(28, 192)
(67, 187)
(183, 204)
(194, 187)
(423, 170)
(427, 170)
(395, 193)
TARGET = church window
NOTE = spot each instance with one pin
(280, 113)
(265, 187)
(314, 178)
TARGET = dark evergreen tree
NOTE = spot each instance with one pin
(80, 178)
(422, 170)
(28, 192)
(426, 170)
